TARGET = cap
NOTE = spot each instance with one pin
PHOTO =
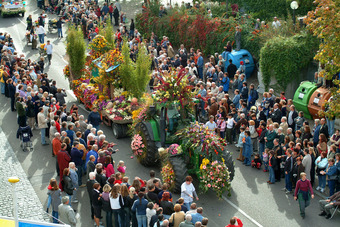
(241, 62)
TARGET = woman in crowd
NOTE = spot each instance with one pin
(321, 163)
(322, 146)
(332, 173)
(54, 199)
(188, 192)
(106, 206)
(139, 206)
(303, 192)
(117, 206)
(177, 217)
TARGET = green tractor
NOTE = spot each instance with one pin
(161, 131)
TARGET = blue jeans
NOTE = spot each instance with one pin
(262, 147)
(271, 175)
(142, 221)
(200, 72)
(322, 181)
(2, 88)
(265, 166)
(331, 185)
(109, 218)
(127, 213)
(288, 182)
(41, 38)
(330, 124)
(79, 173)
(55, 216)
(119, 218)
(188, 205)
(247, 161)
(43, 133)
(202, 103)
(60, 32)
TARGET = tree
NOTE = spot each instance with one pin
(324, 22)
(75, 49)
(135, 76)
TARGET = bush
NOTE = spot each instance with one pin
(283, 58)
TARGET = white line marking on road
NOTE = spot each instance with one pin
(241, 211)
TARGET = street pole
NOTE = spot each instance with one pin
(13, 181)
(294, 17)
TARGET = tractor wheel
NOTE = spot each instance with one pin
(119, 130)
(151, 156)
(180, 170)
(228, 161)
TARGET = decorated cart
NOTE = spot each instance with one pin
(52, 24)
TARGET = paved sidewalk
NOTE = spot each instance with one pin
(29, 206)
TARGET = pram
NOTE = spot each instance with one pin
(25, 134)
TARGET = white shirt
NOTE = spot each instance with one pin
(40, 30)
(186, 190)
(115, 203)
(211, 125)
(230, 123)
(49, 48)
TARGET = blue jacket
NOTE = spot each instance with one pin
(332, 171)
(236, 101)
(76, 156)
(247, 147)
(140, 206)
(316, 134)
(225, 84)
(91, 152)
(200, 61)
(94, 118)
(196, 217)
(70, 134)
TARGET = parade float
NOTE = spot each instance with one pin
(103, 84)
(166, 133)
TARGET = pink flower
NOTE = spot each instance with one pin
(204, 167)
(209, 185)
(211, 173)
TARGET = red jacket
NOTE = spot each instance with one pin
(239, 223)
(63, 160)
(110, 9)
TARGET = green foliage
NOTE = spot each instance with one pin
(108, 33)
(75, 49)
(282, 58)
(135, 76)
(267, 9)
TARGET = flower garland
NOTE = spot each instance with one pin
(168, 176)
(215, 176)
(66, 71)
(174, 149)
(98, 46)
(137, 145)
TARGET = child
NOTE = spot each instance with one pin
(256, 163)
(240, 144)
(126, 182)
(221, 126)
(229, 130)
(265, 159)
(54, 199)
(121, 168)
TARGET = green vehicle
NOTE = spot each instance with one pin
(12, 7)
(161, 131)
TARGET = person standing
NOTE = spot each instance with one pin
(41, 33)
(288, 171)
(303, 193)
(11, 92)
(21, 112)
(66, 213)
(60, 28)
(29, 22)
(238, 38)
(42, 124)
(76, 156)
(49, 48)
(54, 199)
(94, 118)
(247, 149)
(63, 160)
(97, 203)
(188, 192)
(233, 220)
(116, 15)
(139, 206)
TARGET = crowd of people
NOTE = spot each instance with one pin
(269, 133)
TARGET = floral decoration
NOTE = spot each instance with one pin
(214, 175)
(137, 145)
(168, 176)
(174, 87)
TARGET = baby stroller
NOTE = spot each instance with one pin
(25, 134)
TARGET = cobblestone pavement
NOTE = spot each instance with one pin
(29, 206)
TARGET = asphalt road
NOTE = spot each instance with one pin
(254, 201)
